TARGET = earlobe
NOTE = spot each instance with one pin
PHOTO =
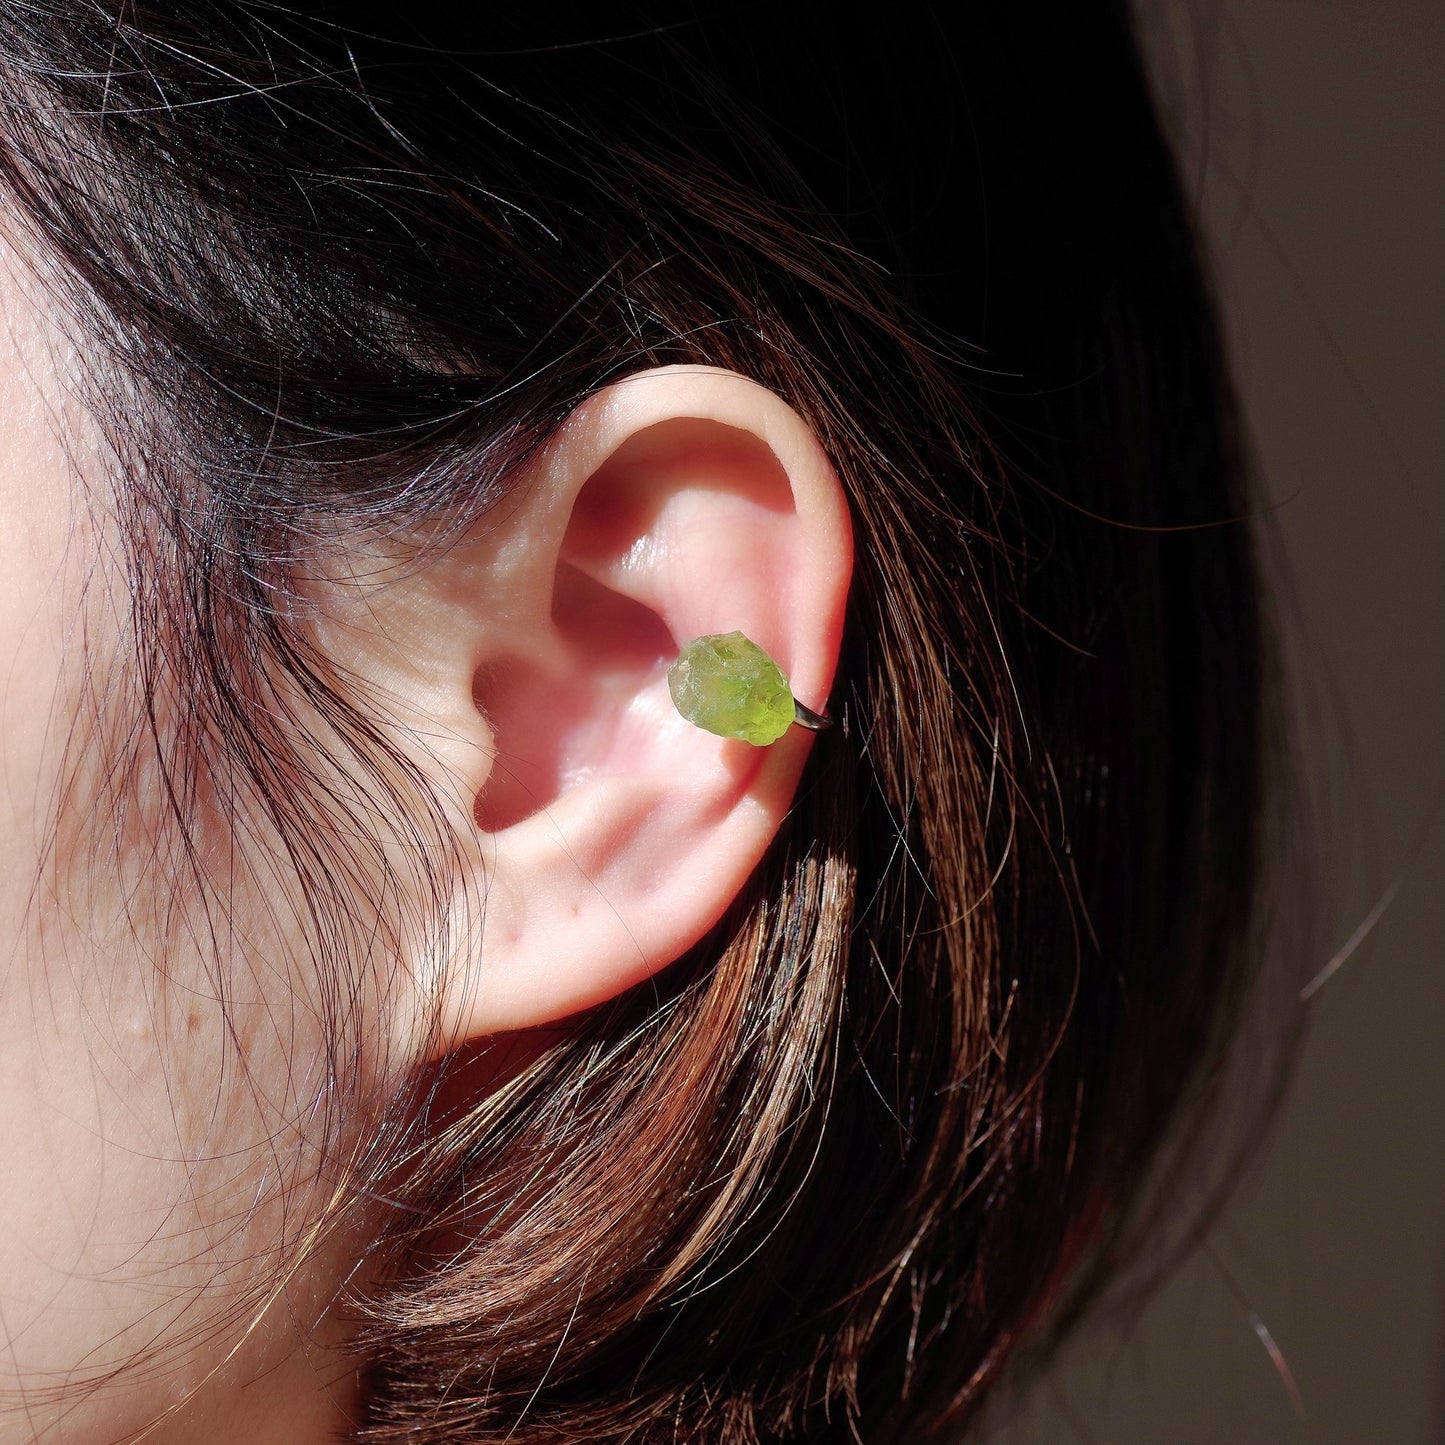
(611, 832)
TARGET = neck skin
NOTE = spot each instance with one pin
(287, 1382)
(310, 1398)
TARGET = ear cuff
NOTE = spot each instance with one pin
(726, 684)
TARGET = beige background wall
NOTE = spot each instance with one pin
(1313, 132)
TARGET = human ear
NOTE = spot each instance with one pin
(606, 833)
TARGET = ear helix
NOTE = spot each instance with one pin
(726, 684)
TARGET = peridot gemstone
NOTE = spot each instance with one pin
(728, 685)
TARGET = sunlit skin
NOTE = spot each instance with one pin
(160, 1165)
(131, 1245)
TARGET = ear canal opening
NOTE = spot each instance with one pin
(550, 728)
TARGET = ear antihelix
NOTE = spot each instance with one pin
(726, 684)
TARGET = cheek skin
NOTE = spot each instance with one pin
(153, 1141)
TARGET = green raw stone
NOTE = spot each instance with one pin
(728, 685)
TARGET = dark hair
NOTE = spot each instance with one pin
(819, 1180)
